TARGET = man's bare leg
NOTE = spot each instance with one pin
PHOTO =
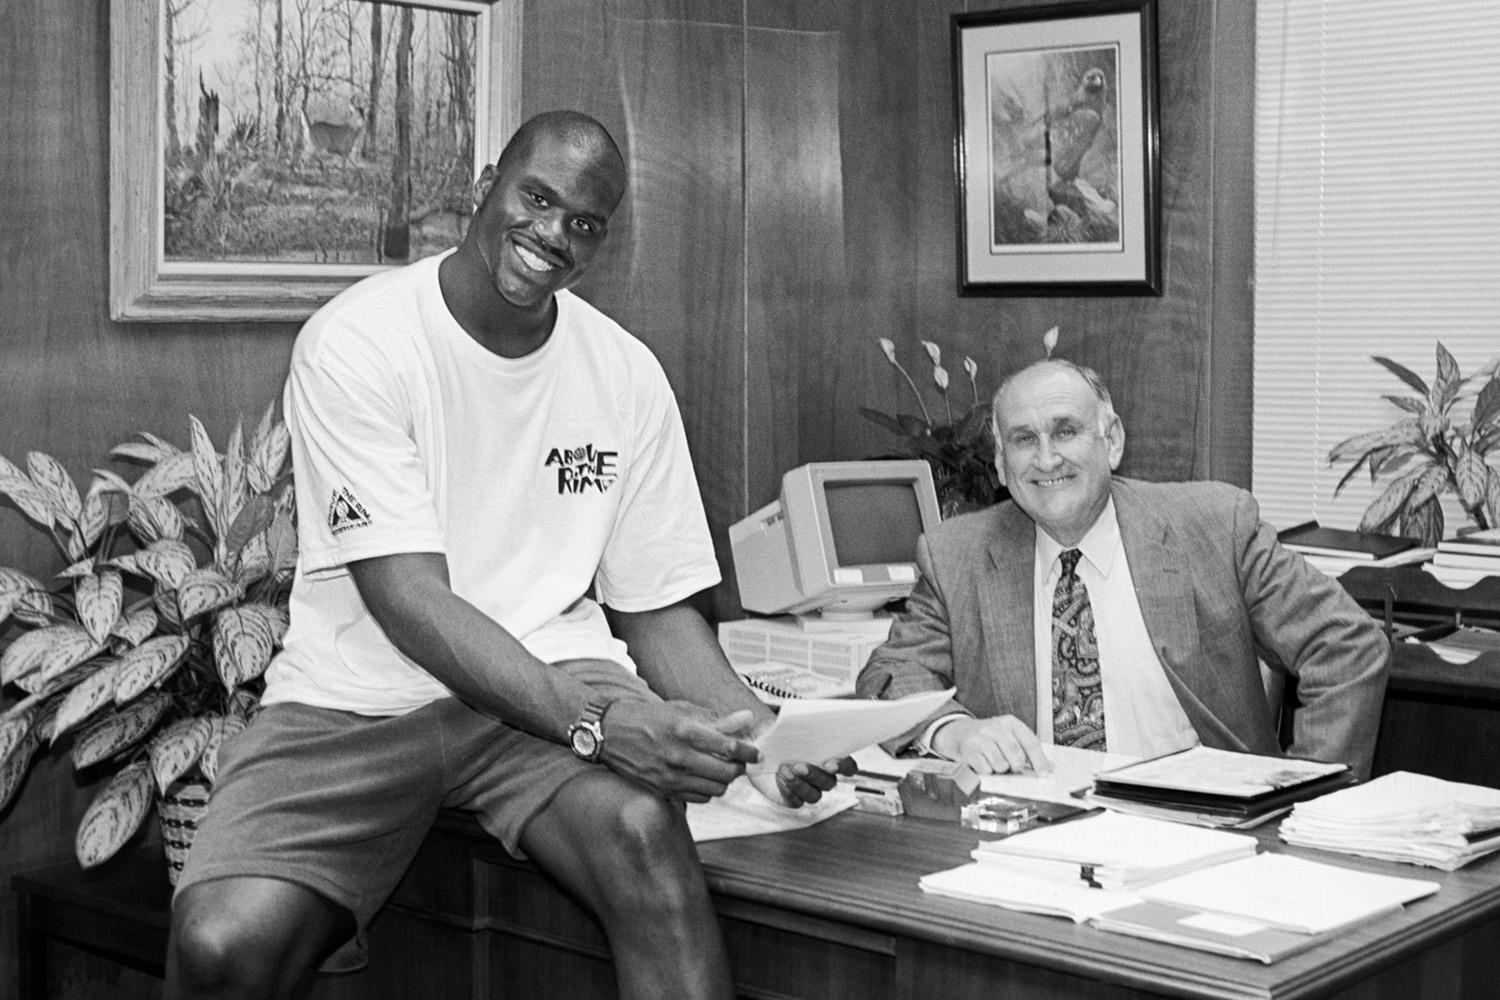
(629, 857)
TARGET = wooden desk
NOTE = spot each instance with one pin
(833, 911)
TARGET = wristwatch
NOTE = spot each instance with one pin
(586, 736)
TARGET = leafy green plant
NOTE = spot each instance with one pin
(960, 449)
(1430, 452)
(148, 648)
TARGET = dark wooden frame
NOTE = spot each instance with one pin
(143, 287)
(1132, 268)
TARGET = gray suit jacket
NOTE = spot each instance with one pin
(1218, 595)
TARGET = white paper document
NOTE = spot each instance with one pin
(742, 811)
(824, 729)
(1292, 893)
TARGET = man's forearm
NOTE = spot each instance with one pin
(677, 655)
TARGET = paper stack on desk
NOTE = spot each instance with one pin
(1402, 817)
(1086, 866)
(1112, 851)
(1263, 907)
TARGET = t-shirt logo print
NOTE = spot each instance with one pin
(345, 511)
(583, 468)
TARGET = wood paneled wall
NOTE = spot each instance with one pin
(791, 201)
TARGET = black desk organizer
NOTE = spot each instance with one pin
(1411, 596)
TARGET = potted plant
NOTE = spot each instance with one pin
(960, 448)
(1430, 452)
(148, 648)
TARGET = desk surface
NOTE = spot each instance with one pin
(861, 870)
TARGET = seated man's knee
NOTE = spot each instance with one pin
(209, 954)
(648, 833)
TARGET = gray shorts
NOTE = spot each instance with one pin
(339, 802)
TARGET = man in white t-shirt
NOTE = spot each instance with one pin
(485, 463)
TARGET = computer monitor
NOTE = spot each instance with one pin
(841, 541)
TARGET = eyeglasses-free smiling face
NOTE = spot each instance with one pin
(1058, 446)
(544, 216)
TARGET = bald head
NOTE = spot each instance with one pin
(573, 128)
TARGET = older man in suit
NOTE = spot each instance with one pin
(1109, 613)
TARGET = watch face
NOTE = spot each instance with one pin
(585, 743)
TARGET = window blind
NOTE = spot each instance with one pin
(1377, 227)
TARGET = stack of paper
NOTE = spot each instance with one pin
(1402, 817)
(1463, 561)
(1081, 868)
(1112, 851)
(1264, 907)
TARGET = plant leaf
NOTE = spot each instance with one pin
(148, 664)
(208, 761)
(1448, 380)
(26, 495)
(1492, 498)
(205, 590)
(233, 490)
(16, 589)
(153, 519)
(94, 517)
(87, 697)
(268, 454)
(1471, 475)
(118, 730)
(13, 765)
(114, 815)
(167, 561)
(1405, 374)
(1486, 405)
(98, 597)
(254, 517)
(1385, 507)
(166, 477)
(24, 655)
(177, 748)
(13, 730)
(135, 626)
(55, 483)
(244, 641)
(70, 646)
(210, 475)
(1403, 432)
(1408, 403)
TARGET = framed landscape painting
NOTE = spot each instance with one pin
(1055, 156)
(267, 154)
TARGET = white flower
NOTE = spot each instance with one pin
(934, 352)
(1049, 340)
(889, 347)
(940, 376)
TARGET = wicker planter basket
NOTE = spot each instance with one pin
(179, 810)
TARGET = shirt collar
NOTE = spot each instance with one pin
(1099, 544)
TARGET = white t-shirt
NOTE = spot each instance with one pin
(537, 477)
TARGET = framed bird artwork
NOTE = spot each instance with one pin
(1055, 150)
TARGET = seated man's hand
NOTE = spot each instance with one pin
(676, 749)
(798, 783)
(992, 746)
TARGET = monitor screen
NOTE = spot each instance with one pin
(839, 542)
(873, 522)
